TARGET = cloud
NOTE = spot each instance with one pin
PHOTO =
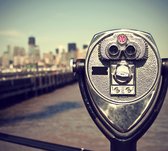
(11, 33)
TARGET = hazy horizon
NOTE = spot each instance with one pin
(56, 23)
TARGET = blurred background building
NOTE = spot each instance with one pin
(33, 50)
(18, 58)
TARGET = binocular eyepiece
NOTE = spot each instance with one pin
(123, 83)
(123, 46)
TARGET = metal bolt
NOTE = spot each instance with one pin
(116, 89)
(128, 89)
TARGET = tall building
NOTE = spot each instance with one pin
(81, 53)
(32, 41)
(48, 58)
(5, 60)
(0, 62)
(34, 51)
(19, 55)
(31, 45)
(57, 50)
(10, 51)
(85, 46)
(72, 47)
(19, 51)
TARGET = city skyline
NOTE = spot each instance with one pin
(60, 48)
(57, 23)
(17, 57)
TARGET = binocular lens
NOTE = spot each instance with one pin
(113, 50)
(130, 51)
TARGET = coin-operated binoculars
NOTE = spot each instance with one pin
(123, 82)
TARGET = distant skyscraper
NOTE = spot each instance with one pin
(19, 51)
(0, 61)
(5, 60)
(32, 44)
(57, 50)
(19, 55)
(85, 46)
(10, 51)
(48, 58)
(72, 47)
(32, 41)
(34, 51)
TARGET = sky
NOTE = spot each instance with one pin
(54, 23)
